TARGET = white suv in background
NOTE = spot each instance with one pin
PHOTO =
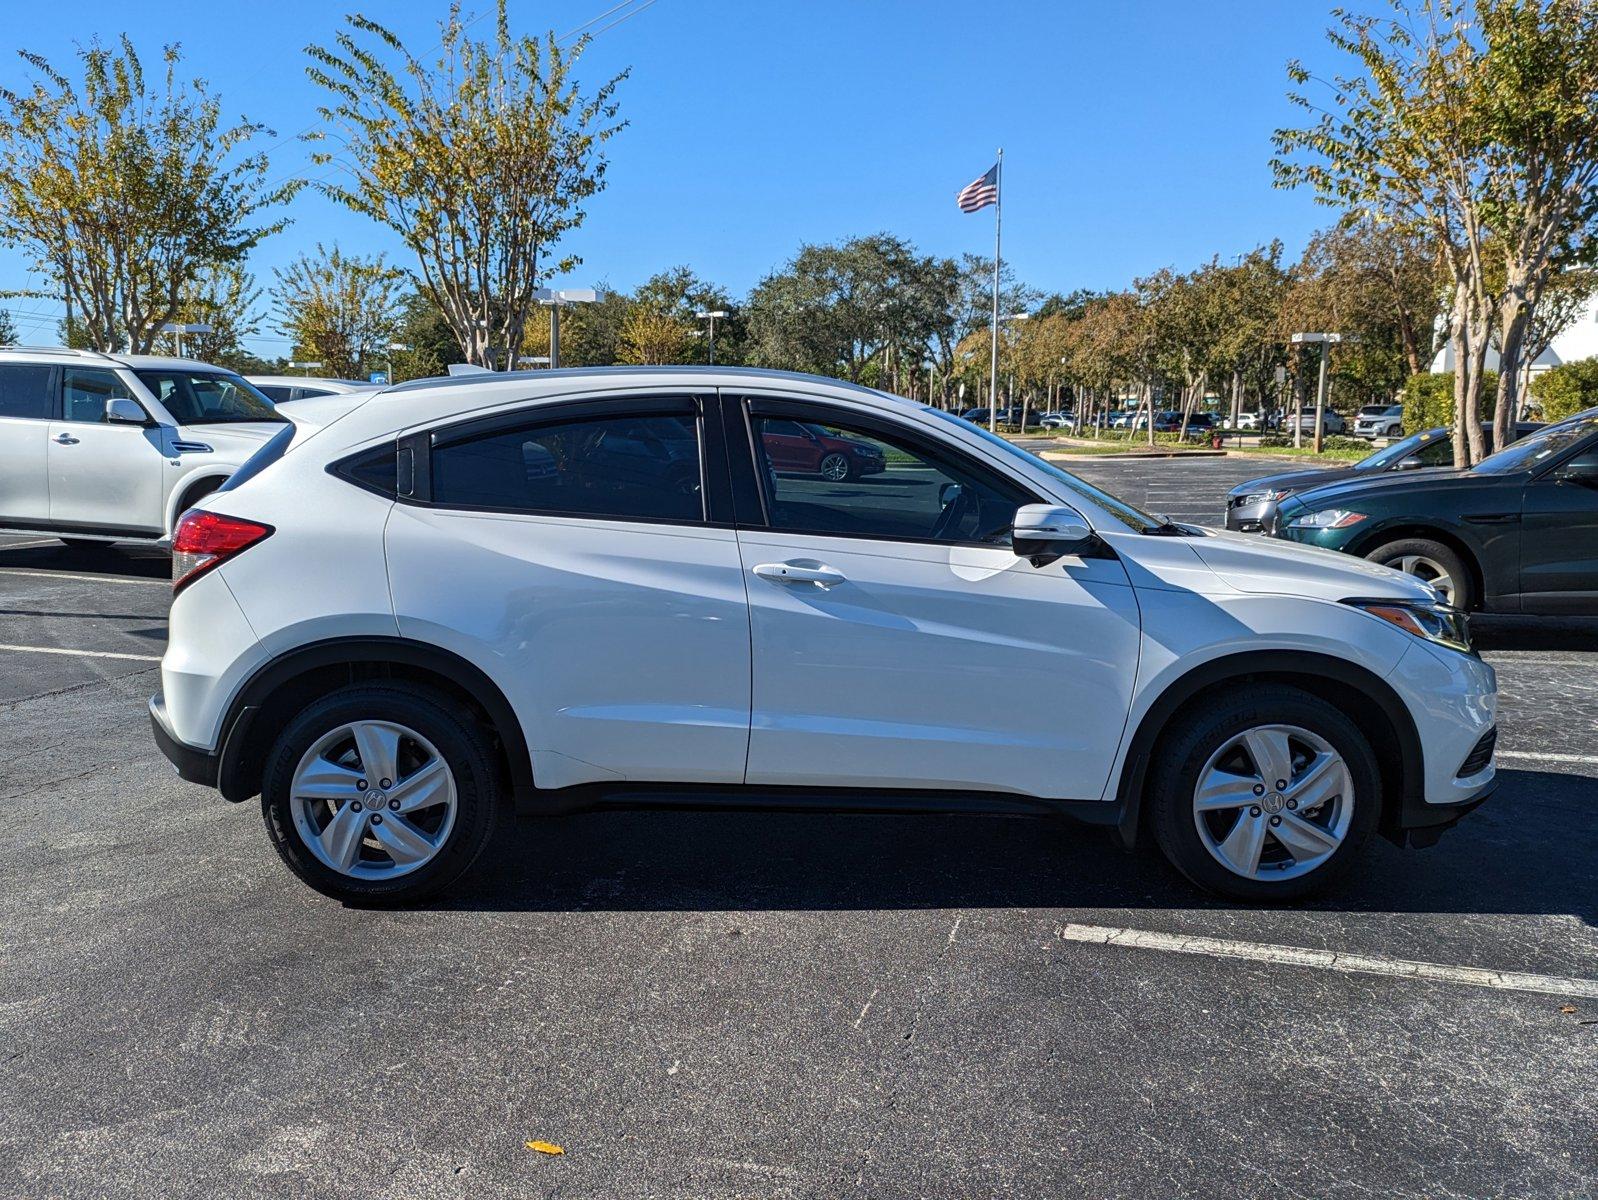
(100, 447)
(576, 588)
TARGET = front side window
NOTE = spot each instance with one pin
(25, 391)
(207, 397)
(85, 391)
(641, 467)
(830, 478)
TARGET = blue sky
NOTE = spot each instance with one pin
(1136, 134)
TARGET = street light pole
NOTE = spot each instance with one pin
(177, 330)
(556, 298)
(1326, 341)
(712, 317)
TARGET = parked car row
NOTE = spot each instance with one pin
(1516, 533)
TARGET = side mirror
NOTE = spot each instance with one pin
(1049, 531)
(1583, 473)
(1412, 463)
(119, 410)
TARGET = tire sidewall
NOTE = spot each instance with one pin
(1188, 746)
(451, 733)
(1446, 556)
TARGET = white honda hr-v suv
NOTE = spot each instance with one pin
(575, 588)
(112, 447)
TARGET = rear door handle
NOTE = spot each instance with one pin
(822, 576)
(66, 439)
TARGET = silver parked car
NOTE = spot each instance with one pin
(101, 447)
(286, 389)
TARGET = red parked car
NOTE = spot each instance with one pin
(801, 448)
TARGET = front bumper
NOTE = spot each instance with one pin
(193, 763)
(1249, 518)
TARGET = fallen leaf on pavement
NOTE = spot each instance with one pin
(546, 1147)
(1568, 1008)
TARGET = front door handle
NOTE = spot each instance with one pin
(821, 576)
(65, 439)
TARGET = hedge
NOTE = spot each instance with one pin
(1429, 400)
(1567, 389)
(1331, 442)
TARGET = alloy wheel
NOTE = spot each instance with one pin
(1428, 570)
(835, 467)
(1274, 802)
(373, 800)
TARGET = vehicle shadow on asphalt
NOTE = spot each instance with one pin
(135, 561)
(1534, 633)
(1533, 848)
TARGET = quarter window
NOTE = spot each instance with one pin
(830, 478)
(640, 467)
(84, 393)
(25, 391)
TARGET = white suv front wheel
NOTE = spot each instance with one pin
(380, 794)
(1268, 795)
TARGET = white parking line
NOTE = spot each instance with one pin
(1328, 960)
(4, 572)
(1590, 760)
(81, 653)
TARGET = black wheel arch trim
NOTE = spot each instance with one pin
(247, 702)
(1405, 811)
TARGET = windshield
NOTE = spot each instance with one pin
(207, 397)
(1388, 455)
(1132, 517)
(1532, 452)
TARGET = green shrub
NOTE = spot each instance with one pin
(1429, 400)
(1566, 389)
(1276, 441)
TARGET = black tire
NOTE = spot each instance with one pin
(1186, 746)
(461, 742)
(1425, 549)
(837, 458)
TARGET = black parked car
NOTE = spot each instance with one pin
(1518, 532)
(1250, 506)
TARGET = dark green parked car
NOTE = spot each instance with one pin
(1518, 532)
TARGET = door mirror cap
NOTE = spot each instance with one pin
(1050, 531)
(119, 410)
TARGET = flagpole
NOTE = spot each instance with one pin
(993, 362)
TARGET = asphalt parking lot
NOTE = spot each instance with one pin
(709, 1005)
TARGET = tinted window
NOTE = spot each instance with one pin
(275, 391)
(855, 481)
(1438, 453)
(640, 467)
(25, 391)
(208, 397)
(84, 393)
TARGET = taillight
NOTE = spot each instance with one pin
(204, 540)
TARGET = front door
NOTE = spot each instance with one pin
(103, 476)
(1559, 538)
(567, 551)
(900, 643)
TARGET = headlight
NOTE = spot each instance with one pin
(1260, 498)
(1327, 518)
(1435, 622)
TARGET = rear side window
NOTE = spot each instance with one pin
(25, 391)
(643, 467)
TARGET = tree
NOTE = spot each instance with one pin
(8, 328)
(652, 337)
(480, 166)
(226, 299)
(339, 309)
(125, 191)
(1476, 125)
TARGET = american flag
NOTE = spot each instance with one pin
(980, 193)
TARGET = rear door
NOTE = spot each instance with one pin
(27, 402)
(898, 640)
(584, 555)
(103, 476)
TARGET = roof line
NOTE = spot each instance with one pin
(488, 377)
